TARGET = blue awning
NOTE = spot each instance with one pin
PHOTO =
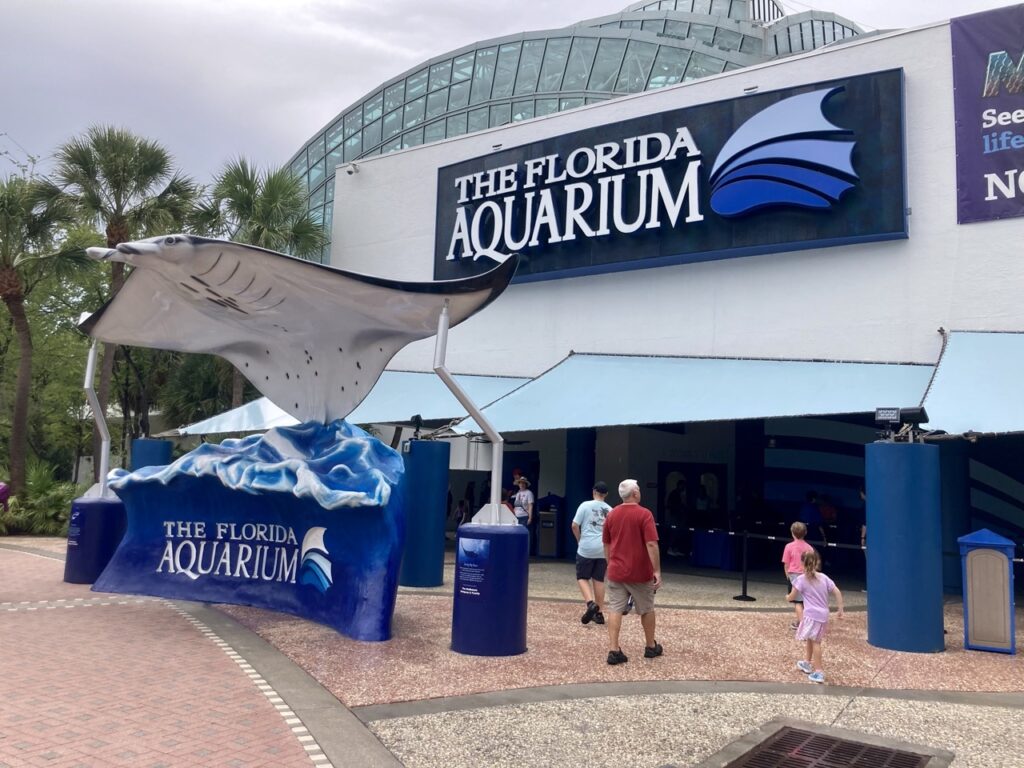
(588, 390)
(977, 385)
(395, 399)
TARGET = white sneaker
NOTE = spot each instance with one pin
(805, 667)
(816, 677)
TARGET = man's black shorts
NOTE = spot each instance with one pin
(590, 567)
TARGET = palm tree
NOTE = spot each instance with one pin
(31, 217)
(265, 208)
(127, 185)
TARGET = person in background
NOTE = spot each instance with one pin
(587, 527)
(634, 569)
(810, 515)
(522, 503)
(462, 512)
(792, 565)
(815, 587)
(5, 496)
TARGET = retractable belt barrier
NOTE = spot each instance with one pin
(746, 536)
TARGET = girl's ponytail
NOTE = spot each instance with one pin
(812, 564)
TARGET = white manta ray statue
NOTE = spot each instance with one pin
(312, 338)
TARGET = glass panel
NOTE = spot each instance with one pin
(505, 74)
(655, 26)
(702, 32)
(606, 65)
(317, 215)
(299, 166)
(702, 65)
(392, 123)
(335, 158)
(677, 28)
(636, 67)
(751, 45)
(702, 6)
(522, 110)
(353, 121)
(686, 6)
(729, 66)
(463, 69)
(328, 217)
(414, 111)
(373, 107)
(565, 104)
(596, 99)
(808, 38)
(456, 125)
(794, 39)
(437, 103)
(554, 65)
(440, 75)
(459, 95)
(316, 149)
(501, 114)
(394, 96)
(391, 146)
(478, 119)
(581, 59)
(371, 134)
(317, 198)
(316, 173)
(483, 75)
(719, 7)
(630, 24)
(667, 5)
(416, 85)
(413, 138)
(529, 66)
(433, 132)
(329, 193)
(830, 32)
(353, 146)
(668, 66)
(726, 38)
(546, 107)
(334, 134)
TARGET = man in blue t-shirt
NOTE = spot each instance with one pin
(587, 527)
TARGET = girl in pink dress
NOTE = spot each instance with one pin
(815, 588)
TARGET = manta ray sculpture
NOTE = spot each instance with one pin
(312, 338)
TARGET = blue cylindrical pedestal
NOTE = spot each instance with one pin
(426, 494)
(904, 520)
(491, 580)
(94, 531)
(147, 452)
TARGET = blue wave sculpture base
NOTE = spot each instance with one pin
(307, 520)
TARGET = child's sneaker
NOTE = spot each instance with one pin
(805, 667)
(794, 626)
(816, 677)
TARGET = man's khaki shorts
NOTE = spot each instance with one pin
(616, 595)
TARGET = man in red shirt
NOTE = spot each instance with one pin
(634, 569)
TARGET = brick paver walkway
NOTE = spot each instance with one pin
(113, 680)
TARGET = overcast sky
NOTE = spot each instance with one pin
(214, 79)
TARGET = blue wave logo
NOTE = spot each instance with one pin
(316, 568)
(787, 154)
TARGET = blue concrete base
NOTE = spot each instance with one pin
(195, 539)
(95, 528)
(491, 582)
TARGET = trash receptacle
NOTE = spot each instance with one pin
(95, 529)
(988, 592)
(547, 546)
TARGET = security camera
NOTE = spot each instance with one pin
(351, 169)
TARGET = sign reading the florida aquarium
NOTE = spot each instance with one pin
(804, 167)
(988, 99)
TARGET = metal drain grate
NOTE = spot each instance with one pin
(794, 748)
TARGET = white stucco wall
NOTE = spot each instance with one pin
(879, 302)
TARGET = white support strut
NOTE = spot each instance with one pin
(98, 417)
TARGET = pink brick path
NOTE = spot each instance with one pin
(130, 684)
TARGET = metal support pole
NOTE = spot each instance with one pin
(99, 417)
(744, 597)
(497, 441)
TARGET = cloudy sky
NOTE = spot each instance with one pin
(214, 79)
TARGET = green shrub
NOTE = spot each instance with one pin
(45, 505)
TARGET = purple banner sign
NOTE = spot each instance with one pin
(988, 99)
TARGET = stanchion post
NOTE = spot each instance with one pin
(744, 597)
